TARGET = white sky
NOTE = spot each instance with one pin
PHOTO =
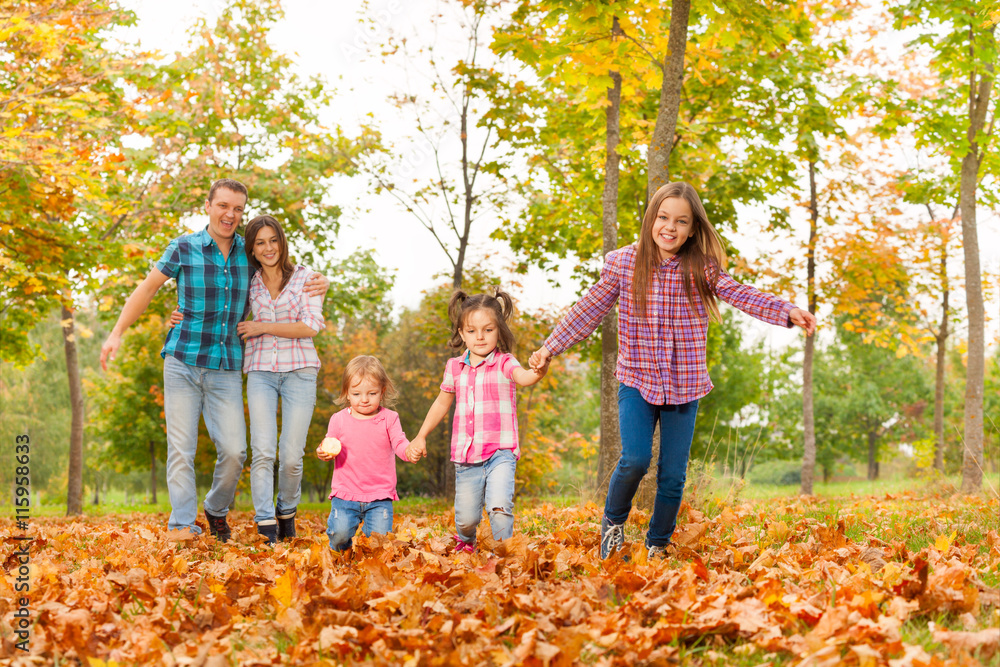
(326, 39)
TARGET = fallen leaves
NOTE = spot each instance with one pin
(123, 591)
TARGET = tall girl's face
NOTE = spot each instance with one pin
(267, 247)
(364, 396)
(480, 333)
(673, 226)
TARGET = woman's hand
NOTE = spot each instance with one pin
(176, 318)
(539, 360)
(804, 319)
(250, 328)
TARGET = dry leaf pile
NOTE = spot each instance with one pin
(114, 589)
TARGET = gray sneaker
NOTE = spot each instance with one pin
(656, 553)
(612, 537)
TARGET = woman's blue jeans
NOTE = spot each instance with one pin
(297, 391)
(637, 419)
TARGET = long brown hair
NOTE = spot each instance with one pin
(500, 306)
(702, 253)
(250, 238)
(367, 366)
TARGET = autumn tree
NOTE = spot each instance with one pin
(447, 172)
(65, 108)
(88, 213)
(738, 56)
(957, 120)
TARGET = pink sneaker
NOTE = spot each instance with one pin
(461, 545)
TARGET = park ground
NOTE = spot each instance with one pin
(893, 574)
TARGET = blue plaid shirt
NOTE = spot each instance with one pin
(212, 294)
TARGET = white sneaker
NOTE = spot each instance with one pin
(612, 537)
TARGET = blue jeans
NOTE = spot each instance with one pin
(346, 515)
(637, 419)
(297, 390)
(492, 483)
(188, 393)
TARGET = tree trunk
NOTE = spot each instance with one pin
(872, 456)
(808, 419)
(972, 464)
(74, 491)
(941, 339)
(662, 142)
(152, 469)
(658, 171)
(610, 436)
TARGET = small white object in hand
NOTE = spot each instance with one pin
(330, 446)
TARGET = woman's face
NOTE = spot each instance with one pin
(267, 247)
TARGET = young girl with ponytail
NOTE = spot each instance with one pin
(484, 442)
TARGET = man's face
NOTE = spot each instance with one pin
(225, 212)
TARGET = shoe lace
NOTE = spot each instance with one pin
(614, 538)
(657, 552)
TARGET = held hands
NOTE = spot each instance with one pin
(804, 319)
(416, 450)
(540, 359)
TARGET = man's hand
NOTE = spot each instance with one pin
(317, 285)
(109, 349)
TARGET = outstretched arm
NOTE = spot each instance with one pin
(438, 410)
(135, 306)
(803, 318)
(525, 378)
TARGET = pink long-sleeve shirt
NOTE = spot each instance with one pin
(365, 469)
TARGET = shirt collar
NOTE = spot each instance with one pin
(668, 260)
(490, 359)
(207, 240)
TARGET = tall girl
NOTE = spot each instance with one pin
(667, 286)
(484, 443)
(280, 361)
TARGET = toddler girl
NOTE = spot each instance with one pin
(484, 443)
(361, 440)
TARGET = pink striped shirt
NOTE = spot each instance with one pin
(663, 354)
(365, 469)
(275, 353)
(485, 408)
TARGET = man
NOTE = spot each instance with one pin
(202, 356)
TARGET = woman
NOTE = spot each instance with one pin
(280, 361)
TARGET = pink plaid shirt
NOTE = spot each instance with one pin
(663, 354)
(274, 353)
(485, 408)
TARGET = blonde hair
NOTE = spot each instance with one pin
(702, 256)
(367, 366)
